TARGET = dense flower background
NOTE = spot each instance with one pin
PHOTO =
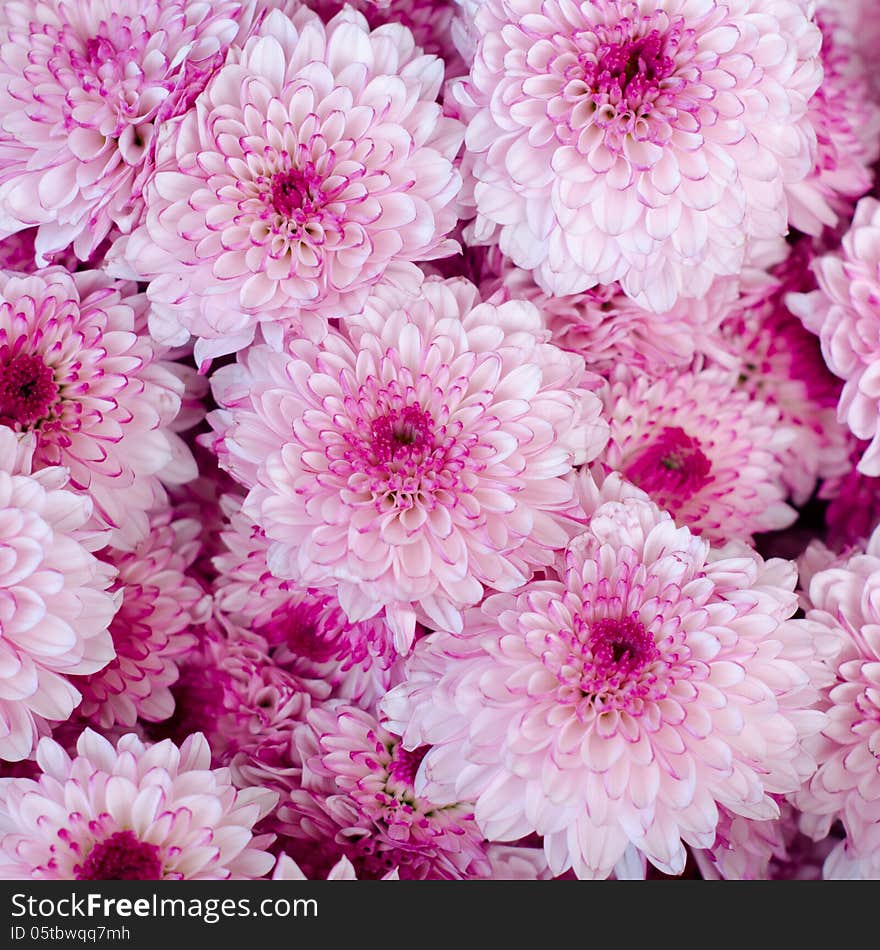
(439, 439)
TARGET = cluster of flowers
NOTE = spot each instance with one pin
(439, 439)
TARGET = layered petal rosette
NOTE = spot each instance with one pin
(84, 90)
(427, 459)
(317, 158)
(641, 141)
(614, 707)
(131, 812)
(55, 602)
(704, 450)
(78, 377)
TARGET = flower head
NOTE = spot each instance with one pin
(84, 91)
(708, 453)
(641, 141)
(617, 704)
(78, 377)
(427, 459)
(131, 812)
(316, 159)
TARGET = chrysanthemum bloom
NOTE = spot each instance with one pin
(847, 122)
(307, 630)
(426, 459)
(84, 91)
(614, 709)
(846, 604)
(153, 628)
(858, 16)
(780, 363)
(131, 812)
(316, 159)
(358, 789)
(643, 142)
(845, 315)
(75, 373)
(707, 452)
(55, 605)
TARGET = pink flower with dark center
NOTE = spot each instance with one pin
(131, 812)
(705, 451)
(84, 93)
(614, 706)
(358, 783)
(427, 459)
(55, 602)
(296, 183)
(76, 375)
(649, 142)
(153, 629)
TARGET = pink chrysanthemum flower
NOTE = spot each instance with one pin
(844, 313)
(358, 780)
(153, 628)
(859, 17)
(55, 606)
(427, 459)
(315, 160)
(131, 812)
(847, 123)
(708, 453)
(75, 373)
(84, 91)
(844, 603)
(615, 708)
(307, 630)
(643, 142)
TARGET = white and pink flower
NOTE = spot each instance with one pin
(615, 706)
(641, 141)
(316, 160)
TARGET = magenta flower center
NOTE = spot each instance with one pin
(296, 193)
(27, 389)
(672, 469)
(121, 857)
(402, 434)
(405, 764)
(622, 73)
(621, 647)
